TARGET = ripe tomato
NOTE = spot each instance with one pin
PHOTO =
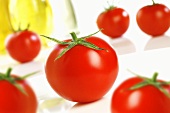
(146, 99)
(23, 46)
(114, 22)
(82, 74)
(154, 19)
(13, 100)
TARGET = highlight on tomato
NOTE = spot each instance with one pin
(114, 21)
(141, 95)
(16, 95)
(154, 19)
(81, 69)
(23, 45)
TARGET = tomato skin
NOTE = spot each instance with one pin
(23, 46)
(82, 74)
(154, 19)
(147, 99)
(114, 22)
(14, 101)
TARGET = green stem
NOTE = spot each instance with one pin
(26, 29)
(74, 36)
(155, 75)
(8, 72)
(153, 2)
(55, 40)
(26, 76)
(92, 34)
(152, 81)
(28, 26)
(19, 28)
(75, 41)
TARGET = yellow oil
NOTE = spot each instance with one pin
(37, 13)
(5, 27)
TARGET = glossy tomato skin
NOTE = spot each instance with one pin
(114, 22)
(154, 19)
(23, 46)
(82, 74)
(147, 99)
(14, 101)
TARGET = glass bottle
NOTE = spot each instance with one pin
(64, 18)
(5, 26)
(35, 13)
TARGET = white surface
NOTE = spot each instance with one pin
(131, 49)
(143, 63)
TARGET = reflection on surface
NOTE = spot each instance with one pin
(102, 104)
(158, 42)
(123, 45)
(54, 105)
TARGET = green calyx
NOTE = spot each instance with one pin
(110, 6)
(153, 2)
(75, 41)
(19, 28)
(152, 81)
(13, 80)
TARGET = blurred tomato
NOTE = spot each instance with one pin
(114, 22)
(154, 19)
(16, 95)
(138, 95)
(23, 46)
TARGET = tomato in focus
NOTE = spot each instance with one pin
(23, 46)
(154, 19)
(82, 74)
(114, 22)
(146, 99)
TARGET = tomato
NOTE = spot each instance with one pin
(146, 99)
(114, 22)
(23, 46)
(154, 19)
(13, 99)
(82, 74)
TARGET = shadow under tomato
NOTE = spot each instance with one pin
(99, 106)
(123, 45)
(158, 42)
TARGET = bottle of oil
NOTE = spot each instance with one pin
(35, 13)
(44, 17)
(5, 26)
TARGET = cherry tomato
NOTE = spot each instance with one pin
(154, 19)
(23, 46)
(114, 22)
(13, 99)
(146, 99)
(82, 74)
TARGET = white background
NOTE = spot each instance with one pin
(87, 11)
(134, 41)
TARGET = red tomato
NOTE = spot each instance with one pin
(23, 46)
(114, 21)
(14, 101)
(147, 99)
(154, 19)
(82, 74)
